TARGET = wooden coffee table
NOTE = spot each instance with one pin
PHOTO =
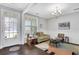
(59, 51)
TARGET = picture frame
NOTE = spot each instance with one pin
(64, 26)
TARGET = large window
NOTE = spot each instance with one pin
(10, 27)
(27, 26)
(30, 26)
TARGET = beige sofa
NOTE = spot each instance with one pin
(42, 37)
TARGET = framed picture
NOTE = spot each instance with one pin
(64, 26)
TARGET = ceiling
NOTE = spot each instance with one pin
(16, 6)
(44, 10)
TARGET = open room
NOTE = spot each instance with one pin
(39, 28)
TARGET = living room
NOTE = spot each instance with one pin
(31, 27)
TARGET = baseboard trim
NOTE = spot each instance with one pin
(12, 46)
(72, 43)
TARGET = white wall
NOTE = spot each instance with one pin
(73, 33)
(42, 25)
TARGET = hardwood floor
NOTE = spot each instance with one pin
(24, 50)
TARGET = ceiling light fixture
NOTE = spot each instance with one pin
(56, 11)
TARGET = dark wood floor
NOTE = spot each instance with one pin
(24, 50)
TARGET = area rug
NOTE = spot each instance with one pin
(14, 48)
(43, 46)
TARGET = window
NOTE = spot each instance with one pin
(27, 26)
(10, 27)
(30, 27)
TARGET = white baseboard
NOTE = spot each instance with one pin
(1, 47)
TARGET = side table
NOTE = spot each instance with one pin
(31, 42)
